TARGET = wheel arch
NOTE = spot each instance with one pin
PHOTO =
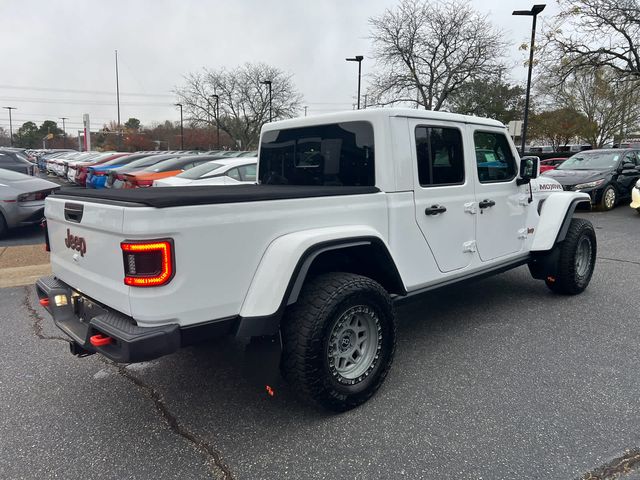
(555, 217)
(292, 259)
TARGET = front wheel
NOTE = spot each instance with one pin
(609, 199)
(576, 259)
(339, 340)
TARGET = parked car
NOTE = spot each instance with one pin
(12, 161)
(354, 212)
(22, 199)
(607, 175)
(168, 168)
(635, 196)
(223, 171)
(97, 176)
(72, 165)
(550, 164)
(116, 176)
(83, 167)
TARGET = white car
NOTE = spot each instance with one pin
(635, 196)
(354, 211)
(223, 171)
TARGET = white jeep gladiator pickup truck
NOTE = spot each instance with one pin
(352, 212)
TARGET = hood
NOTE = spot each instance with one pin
(573, 177)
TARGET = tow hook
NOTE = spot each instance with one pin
(79, 351)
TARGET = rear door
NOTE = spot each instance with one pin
(502, 205)
(443, 192)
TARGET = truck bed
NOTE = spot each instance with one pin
(208, 195)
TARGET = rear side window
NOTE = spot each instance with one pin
(339, 154)
(494, 157)
(440, 156)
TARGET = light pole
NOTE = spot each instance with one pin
(268, 82)
(64, 132)
(357, 58)
(532, 13)
(10, 124)
(181, 127)
(216, 112)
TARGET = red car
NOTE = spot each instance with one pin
(550, 164)
(83, 167)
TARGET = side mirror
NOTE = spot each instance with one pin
(529, 167)
(628, 166)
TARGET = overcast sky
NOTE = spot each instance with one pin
(53, 52)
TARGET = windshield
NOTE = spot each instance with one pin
(200, 170)
(338, 154)
(591, 161)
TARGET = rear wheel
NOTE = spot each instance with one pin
(576, 259)
(609, 199)
(339, 340)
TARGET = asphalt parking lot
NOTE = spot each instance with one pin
(499, 379)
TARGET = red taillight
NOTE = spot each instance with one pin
(148, 263)
(99, 173)
(143, 183)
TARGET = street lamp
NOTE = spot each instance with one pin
(10, 124)
(64, 132)
(532, 13)
(268, 82)
(357, 58)
(217, 115)
(181, 127)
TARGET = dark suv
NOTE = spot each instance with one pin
(608, 175)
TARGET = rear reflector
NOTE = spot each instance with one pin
(148, 263)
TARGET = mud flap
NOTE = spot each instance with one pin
(262, 362)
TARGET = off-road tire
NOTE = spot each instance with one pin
(308, 325)
(3, 226)
(571, 278)
(603, 206)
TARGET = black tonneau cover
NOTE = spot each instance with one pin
(162, 197)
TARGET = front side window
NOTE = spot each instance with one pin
(494, 157)
(339, 154)
(234, 173)
(440, 156)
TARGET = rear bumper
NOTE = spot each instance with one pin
(80, 318)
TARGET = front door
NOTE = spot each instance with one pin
(502, 205)
(443, 192)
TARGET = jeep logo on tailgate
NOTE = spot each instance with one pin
(75, 243)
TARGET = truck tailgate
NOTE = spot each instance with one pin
(85, 249)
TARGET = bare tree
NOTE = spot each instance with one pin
(426, 51)
(243, 99)
(595, 33)
(610, 102)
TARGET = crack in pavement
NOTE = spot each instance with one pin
(618, 260)
(161, 407)
(37, 320)
(616, 467)
(173, 422)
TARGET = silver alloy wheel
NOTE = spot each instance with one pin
(609, 198)
(583, 256)
(354, 345)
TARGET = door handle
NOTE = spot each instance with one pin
(486, 203)
(435, 210)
